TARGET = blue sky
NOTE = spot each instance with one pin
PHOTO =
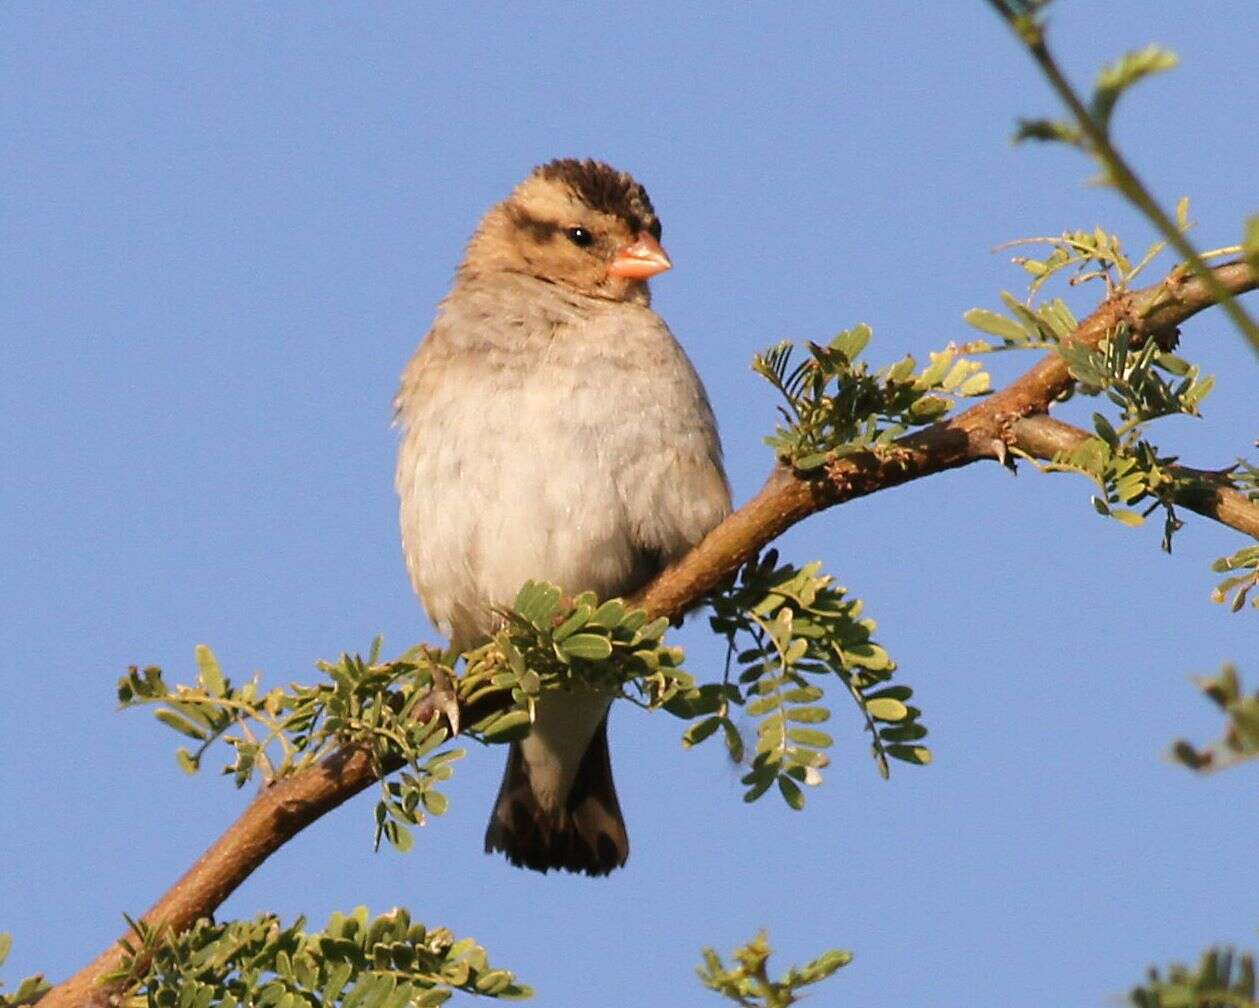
(226, 227)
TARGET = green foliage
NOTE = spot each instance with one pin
(354, 962)
(1241, 734)
(789, 630)
(1239, 585)
(1137, 379)
(1090, 131)
(1092, 255)
(366, 702)
(835, 406)
(1025, 328)
(1222, 980)
(1125, 473)
(1112, 81)
(746, 981)
(548, 642)
(1115, 78)
(790, 627)
(1058, 130)
(1145, 384)
(29, 990)
(1245, 478)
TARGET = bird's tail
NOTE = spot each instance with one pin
(585, 834)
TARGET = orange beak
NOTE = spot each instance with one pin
(640, 259)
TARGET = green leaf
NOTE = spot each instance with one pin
(537, 602)
(187, 762)
(808, 715)
(706, 699)
(1182, 213)
(209, 673)
(791, 792)
(587, 646)
(853, 341)
(578, 619)
(976, 384)
(609, 615)
(173, 720)
(910, 754)
(699, 731)
(399, 836)
(1105, 431)
(810, 737)
(1049, 129)
(734, 740)
(511, 727)
(1117, 77)
(886, 709)
(813, 460)
(929, 408)
(435, 802)
(1130, 518)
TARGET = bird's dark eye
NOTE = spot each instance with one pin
(580, 237)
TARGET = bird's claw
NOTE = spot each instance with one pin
(445, 698)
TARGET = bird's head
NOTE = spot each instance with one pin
(582, 224)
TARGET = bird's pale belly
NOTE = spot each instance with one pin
(534, 500)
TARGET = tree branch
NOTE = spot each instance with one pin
(1044, 437)
(982, 432)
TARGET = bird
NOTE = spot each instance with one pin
(554, 429)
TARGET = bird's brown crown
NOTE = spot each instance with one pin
(603, 188)
(565, 224)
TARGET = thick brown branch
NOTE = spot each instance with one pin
(982, 432)
(1043, 437)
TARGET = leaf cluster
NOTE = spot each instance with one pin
(28, 990)
(354, 962)
(1241, 734)
(789, 630)
(1113, 80)
(1094, 255)
(365, 702)
(746, 981)
(548, 642)
(834, 405)
(1025, 328)
(1145, 383)
(1221, 980)
(1238, 586)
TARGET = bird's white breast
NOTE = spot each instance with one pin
(548, 435)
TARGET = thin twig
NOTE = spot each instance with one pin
(1032, 34)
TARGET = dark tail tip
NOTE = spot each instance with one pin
(586, 835)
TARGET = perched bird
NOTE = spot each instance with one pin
(553, 429)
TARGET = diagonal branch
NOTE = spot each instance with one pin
(982, 432)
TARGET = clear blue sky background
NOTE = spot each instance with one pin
(225, 229)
